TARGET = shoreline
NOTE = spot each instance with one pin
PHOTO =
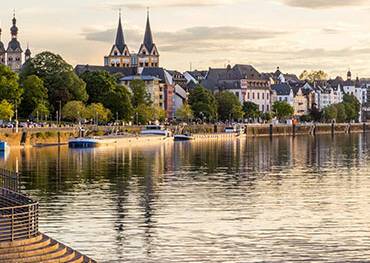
(48, 137)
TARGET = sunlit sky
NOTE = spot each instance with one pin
(332, 35)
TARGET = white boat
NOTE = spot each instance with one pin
(155, 130)
(235, 129)
(183, 137)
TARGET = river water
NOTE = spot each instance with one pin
(248, 200)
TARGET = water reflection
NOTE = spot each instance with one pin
(248, 200)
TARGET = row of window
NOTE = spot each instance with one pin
(146, 64)
(263, 95)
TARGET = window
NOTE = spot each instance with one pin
(263, 108)
(267, 107)
(263, 96)
(252, 95)
(141, 64)
(161, 97)
(248, 95)
(237, 94)
(258, 95)
(115, 53)
(146, 64)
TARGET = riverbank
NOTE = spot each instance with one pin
(57, 136)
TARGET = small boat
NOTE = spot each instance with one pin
(3, 146)
(183, 137)
(155, 130)
(83, 143)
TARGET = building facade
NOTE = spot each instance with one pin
(13, 55)
(120, 55)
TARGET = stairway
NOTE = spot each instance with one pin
(40, 249)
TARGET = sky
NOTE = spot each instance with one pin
(296, 35)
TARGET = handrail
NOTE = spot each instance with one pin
(19, 219)
(9, 180)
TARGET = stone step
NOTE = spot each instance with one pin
(69, 255)
(45, 241)
(77, 259)
(41, 258)
(49, 248)
(23, 242)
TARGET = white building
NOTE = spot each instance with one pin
(258, 92)
(283, 92)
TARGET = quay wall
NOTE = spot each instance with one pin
(52, 136)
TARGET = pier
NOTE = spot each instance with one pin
(20, 239)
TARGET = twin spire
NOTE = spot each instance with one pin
(148, 37)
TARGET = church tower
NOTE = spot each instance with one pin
(2, 51)
(148, 55)
(119, 55)
(27, 54)
(14, 51)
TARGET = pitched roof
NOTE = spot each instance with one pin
(140, 77)
(80, 69)
(155, 72)
(120, 39)
(282, 89)
(14, 45)
(2, 48)
(196, 74)
(148, 37)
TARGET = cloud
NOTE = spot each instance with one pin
(324, 4)
(193, 39)
(172, 3)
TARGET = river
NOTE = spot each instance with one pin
(248, 200)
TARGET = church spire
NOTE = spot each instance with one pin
(148, 37)
(120, 40)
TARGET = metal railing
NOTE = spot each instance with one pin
(18, 216)
(9, 180)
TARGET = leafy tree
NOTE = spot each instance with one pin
(143, 114)
(98, 112)
(203, 103)
(35, 94)
(140, 95)
(266, 116)
(228, 105)
(330, 113)
(58, 76)
(251, 110)
(6, 110)
(9, 86)
(74, 110)
(41, 111)
(352, 107)
(313, 75)
(282, 110)
(159, 114)
(98, 85)
(184, 113)
(119, 102)
(341, 113)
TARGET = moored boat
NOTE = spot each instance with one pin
(3, 146)
(183, 137)
(155, 130)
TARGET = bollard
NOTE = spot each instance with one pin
(271, 130)
(332, 129)
(293, 127)
(364, 127)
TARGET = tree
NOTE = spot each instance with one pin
(98, 112)
(9, 86)
(251, 110)
(59, 78)
(74, 111)
(341, 113)
(143, 114)
(41, 111)
(330, 113)
(35, 94)
(203, 103)
(119, 102)
(352, 107)
(98, 85)
(159, 114)
(313, 75)
(140, 95)
(266, 116)
(315, 113)
(184, 113)
(282, 110)
(228, 105)
(6, 110)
